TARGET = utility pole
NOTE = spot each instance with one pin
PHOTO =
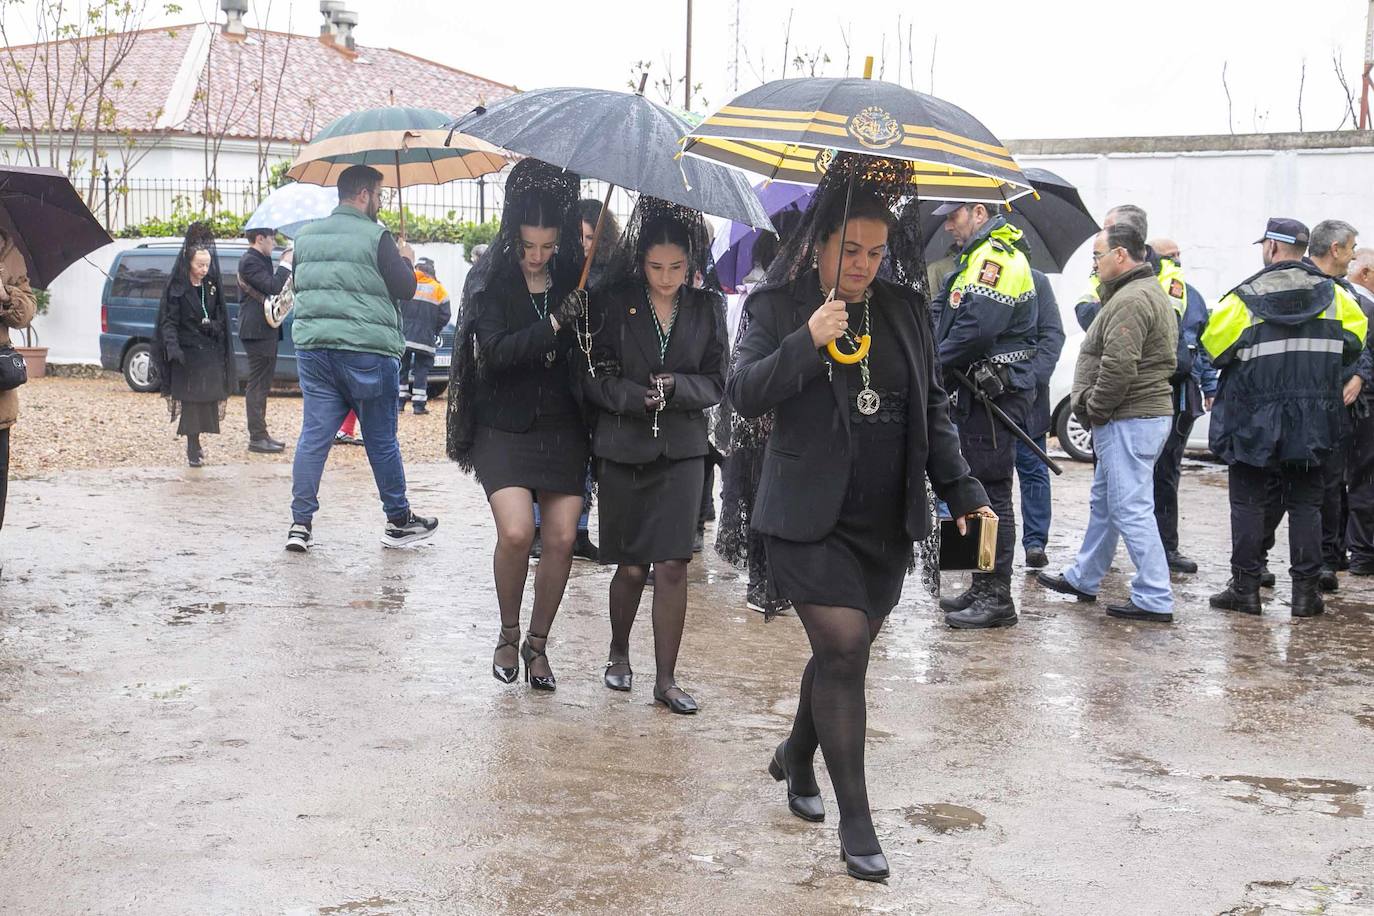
(687, 89)
(1367, 79)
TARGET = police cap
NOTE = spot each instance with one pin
(1288, 231)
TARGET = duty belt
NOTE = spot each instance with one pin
(1015, 356)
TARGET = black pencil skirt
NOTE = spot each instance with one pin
(551, 456)
(648, 512)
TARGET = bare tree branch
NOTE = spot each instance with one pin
(1302, 79)
(786, 41)
(1338, 63)
(934, 46)
(1230, 123)
(844, 36)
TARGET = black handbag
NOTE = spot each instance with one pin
(13, 372)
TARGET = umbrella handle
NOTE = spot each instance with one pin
(596, 238)
(849, 359)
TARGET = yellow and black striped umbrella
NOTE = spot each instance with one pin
(789, 130)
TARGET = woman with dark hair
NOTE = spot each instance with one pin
(843, 494)
(513, 418)
(589, 210)
(657, 363)
(192, 349)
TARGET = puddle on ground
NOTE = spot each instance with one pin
(1324, 796)
(943, 818)
(357, 906)
(187, 614)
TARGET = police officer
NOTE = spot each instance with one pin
(1282, 340)
(1194, 380)
(1360, 455)
(987, 317)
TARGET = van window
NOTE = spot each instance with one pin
(142, 276)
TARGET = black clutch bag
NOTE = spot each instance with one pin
(13, 372)
(976, 550)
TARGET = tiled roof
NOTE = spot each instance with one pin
(174, 75)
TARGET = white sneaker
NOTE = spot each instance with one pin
(298, 538)
(416, 528)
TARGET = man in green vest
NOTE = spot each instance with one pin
(349, 275)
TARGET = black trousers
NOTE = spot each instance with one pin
(1259, 496)
(990, 450)
(1168, 470)
(1333, 507)
(416, 365)
(1359, 529)
(262, 366)
(4, 471)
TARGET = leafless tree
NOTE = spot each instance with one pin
(1302, 79)
(268, 129)
(1230, 122)
(1339, 65)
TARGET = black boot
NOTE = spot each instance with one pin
(1238, 597)
(1307, 598)
(992, 608)
(964, 601)
(1327, 581)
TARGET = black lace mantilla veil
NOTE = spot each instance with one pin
(199, 237)
(529, 179)
(891, 181)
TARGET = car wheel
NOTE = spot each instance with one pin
(139, 371)
(436, 389)
(1074, 438)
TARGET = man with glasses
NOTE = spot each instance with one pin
(1122, 391)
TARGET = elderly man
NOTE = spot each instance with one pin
(259, 281)
(1282, 340)
(1359, 531)
(349, 275)
(1121, 389)
(1331, 249)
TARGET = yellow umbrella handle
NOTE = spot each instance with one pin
(849, 359)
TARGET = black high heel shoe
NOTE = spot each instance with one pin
(865, 868)
(619, 681)
(806, 807)
(529, 653)
(500, 672)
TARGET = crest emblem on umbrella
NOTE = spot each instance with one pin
(874, 128)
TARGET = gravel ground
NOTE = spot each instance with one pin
(82, 423)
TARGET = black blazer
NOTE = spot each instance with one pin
(256, 273)
(625, 352)
(806, 465)
(513, 378)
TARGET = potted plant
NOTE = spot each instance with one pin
(35, 357)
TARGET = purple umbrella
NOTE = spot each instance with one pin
(734, 264)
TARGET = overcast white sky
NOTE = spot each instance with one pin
(1052, 68)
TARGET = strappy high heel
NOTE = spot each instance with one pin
(529, 653)
(500, 672)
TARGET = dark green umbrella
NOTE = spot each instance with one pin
(407, 145)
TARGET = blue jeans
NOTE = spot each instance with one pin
(1035, 496)
(333, 382)
(1122, 505)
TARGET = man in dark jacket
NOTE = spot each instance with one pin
(1360, 456)
(258, 281)
(1121, 390)
(1282, 340)
(1032, 473)
(423, 318)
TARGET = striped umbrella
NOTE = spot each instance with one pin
(405, 144)
(789, 130)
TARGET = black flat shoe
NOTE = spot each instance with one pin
(683, 705)
(865, 868)
(806, 807)
(619, 681)
(1063, 586)
(500, 672)
(529, 653)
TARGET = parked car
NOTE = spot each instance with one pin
(1074, 438)
(128, 310)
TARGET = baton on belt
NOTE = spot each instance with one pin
(1006, 421)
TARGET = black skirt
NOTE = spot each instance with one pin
(648, 512)
(552, 455)
(198, 417)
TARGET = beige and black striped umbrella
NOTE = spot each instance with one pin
(407, 145)
(789, 130)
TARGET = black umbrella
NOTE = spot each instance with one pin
(48, 221)
(1056, 223)
(621, 138)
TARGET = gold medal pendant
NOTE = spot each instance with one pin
(868, 402)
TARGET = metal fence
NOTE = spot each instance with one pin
(138, 200)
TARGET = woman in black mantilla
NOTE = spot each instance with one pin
(513, 417)
(657, 363)
(842, 495)
(193, 351)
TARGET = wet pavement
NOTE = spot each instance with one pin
(193, 721)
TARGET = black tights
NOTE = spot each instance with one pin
(192, 445)
(832, 714)
(669, 616)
